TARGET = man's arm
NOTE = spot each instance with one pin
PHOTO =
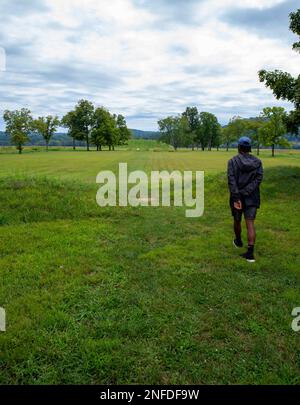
(254, 184)
(233, 188)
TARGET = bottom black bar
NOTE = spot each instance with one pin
(134, 393)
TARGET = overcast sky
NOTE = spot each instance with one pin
(143, 58)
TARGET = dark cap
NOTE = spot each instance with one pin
(245, 141)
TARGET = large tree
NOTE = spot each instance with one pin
(46, 126)
(274, 128)
(84, 120)
(105, 130)
(18, 126)
(253, 128)
(233, 131)
(175, 131)
(69, 121)
(283, 84)
(192, 116)
(124, 132)
(208, 130)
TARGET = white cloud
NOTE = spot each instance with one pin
(126, 56)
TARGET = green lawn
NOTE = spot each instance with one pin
(144, 295)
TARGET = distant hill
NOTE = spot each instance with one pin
(62, 139)
(59, 139)
(137, 133)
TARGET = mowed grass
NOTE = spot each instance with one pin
(82, 166)
(144, 295)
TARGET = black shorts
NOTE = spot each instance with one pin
(248, 211)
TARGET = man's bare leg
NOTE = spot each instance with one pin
(251, 232)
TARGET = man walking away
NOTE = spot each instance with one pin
(245, 173)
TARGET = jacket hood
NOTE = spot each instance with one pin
(247, 162)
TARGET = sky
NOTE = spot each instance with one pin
(145, 59)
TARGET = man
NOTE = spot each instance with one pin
(245, 173)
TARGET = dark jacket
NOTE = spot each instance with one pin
(245, 173)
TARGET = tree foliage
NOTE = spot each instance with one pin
(124, 133)
(19, 124)
(46, 126)
(283, 84)
(84, 118)
(233, 131)
(192, 116)
(69, 121)
(253, 129)
(208, 133)
(274, 129)
(96, 125)
(175, 131)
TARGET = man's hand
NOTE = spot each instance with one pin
(238, 205)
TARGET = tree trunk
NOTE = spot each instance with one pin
(109, 148)
(100, 147)
(87, 143)
(258, 150)
(227, 147)
(74, 147)
(47, 146)
(113, 147)
(273, 150)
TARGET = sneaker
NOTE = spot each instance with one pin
(249, 257)
(237, 243)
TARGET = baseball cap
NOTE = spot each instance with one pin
(244, 141)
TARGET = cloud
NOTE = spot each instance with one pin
(174, 12)
(270, 22)
(10, 8)
(145, 59)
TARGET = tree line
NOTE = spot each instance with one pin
(191, 129)
(202, 130)
(94, 125)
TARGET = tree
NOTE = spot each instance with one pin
(84, 117)
(105, 130)
(124, 132)
(284, 85)
(274, 128)
(253, 127)
(218, 137)
(208, 130)
(69, 121)
(175, 131)
(46, 126)
(18, 126)
(192, 116)
(233, 131)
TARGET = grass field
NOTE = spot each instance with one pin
(144, 295)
